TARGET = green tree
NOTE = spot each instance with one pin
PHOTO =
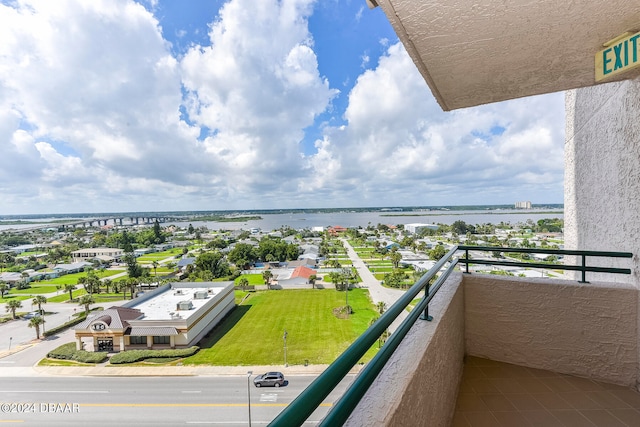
(242, 255)
(267, 275)
(243, 282)
(312, 280)
(395, 258)
(133, 268)
(12, 306)
(381, 306)
(70, 288)
(3, 289)
(213, 262)
(396, 278)
(437, 252)
(39, 300)
(155, 265)
(35, 322)
(86, 301)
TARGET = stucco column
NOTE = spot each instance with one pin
(122, 343)
(78, 343)
(149, 341)
(602, 175)
(172, 341)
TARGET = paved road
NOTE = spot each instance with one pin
(376, 290)
(173, 401)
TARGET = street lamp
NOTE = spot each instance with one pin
(285, 348)
(249, 394)
(10, 338)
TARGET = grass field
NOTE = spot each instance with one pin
(253, 333)
(35, 289)
(254, 279)
(157, 256)
(73, 278)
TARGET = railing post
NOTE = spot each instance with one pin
(425, 314)
(584, 269)
(466, 257)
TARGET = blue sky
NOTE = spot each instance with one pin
(118, 105)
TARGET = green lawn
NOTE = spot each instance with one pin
(34, 289)
(73, 278)
(64, 296)
(254, 279)
(8, 297)
(253, 332)
(157, 256)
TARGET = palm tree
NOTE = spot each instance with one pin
(155, 265)
(39, 300)
(86, 301)
(267, 275)
(12, 306)
(395, 258)
(3, 288)
(132, 284)
(243, 282)
(70, 288)
(107, 284)
(381, 306)
(35, 322)
(312, 280)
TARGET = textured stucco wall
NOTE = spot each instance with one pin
(419, 384)
(602, 173)
(588, 330)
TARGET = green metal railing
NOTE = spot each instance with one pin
(310, 399)
(306, 403)
(583, 268)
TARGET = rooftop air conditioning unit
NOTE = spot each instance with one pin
(184, 305)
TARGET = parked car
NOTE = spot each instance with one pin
(271, 379)
(31, 315)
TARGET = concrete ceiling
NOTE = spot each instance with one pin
(473, 52)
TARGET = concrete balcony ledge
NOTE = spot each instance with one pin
(586, 330)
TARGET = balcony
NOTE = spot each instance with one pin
(542, 327)
(491, 337)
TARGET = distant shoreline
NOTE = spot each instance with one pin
(197, 215)
(526, 212)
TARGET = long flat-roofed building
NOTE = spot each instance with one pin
(103, 254)
(175, 315)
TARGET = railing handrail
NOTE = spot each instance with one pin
(547, 251)
(297, 412)
(583, 267)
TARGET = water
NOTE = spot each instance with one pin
(362, 219)
(345, 219)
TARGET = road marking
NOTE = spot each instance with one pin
(11, 421)
(7, 361)
(57, 391)
(191, 391)
(268, 397)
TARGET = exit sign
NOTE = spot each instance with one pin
(619, 55)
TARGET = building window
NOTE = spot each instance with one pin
(161, 340)
(137, 340)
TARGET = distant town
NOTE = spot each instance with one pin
(149, 279)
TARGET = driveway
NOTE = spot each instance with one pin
(378, 292)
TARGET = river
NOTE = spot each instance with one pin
(362, 219)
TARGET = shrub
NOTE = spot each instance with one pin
(132, 356)
(68, 352)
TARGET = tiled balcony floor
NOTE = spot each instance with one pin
(499, 394)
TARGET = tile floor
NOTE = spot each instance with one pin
(500, 394)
